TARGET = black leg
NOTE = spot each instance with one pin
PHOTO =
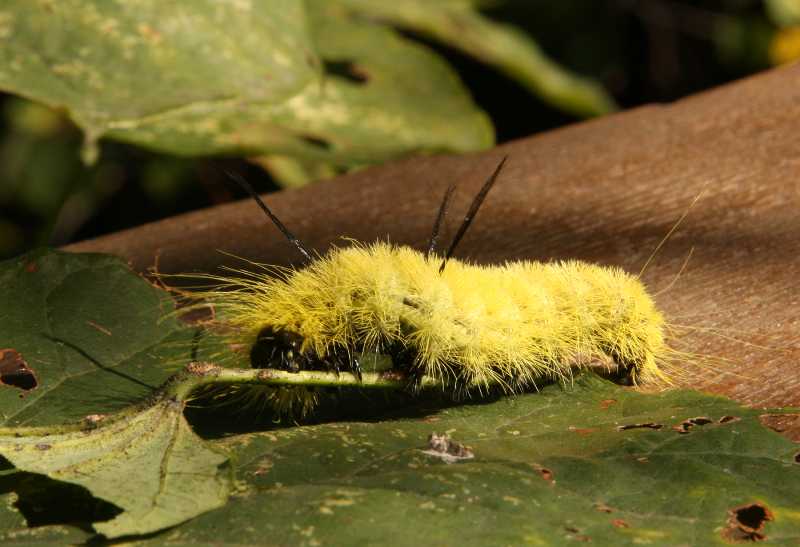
(356, 366)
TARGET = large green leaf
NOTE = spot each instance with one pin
(122, 64)
(237, 77)
(457, 23)
(548, 467)
(784, 12)
(80, 335)
(148, 463)
(83, 337)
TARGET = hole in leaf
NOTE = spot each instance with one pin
(44, 501)
(649, 425)
(545, 473)
(797, 458)
(15, 372)
(346, 69)
(316, 142)
(726, 419)
(689, 423)
(746, 523)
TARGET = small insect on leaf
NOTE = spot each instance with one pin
(448, 450)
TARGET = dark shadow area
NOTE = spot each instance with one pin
(43, 501)
(346, 69)
(215, 415)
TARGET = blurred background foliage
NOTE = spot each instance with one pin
(443, 76)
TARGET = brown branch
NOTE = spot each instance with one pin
(606, 191)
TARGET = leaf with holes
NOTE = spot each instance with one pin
(459, 24)
(147, 463)
(81, 335)
(281, 77)
(594, 462)
(597, 462)
(85, 337)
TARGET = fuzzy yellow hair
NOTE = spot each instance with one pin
(469, 326)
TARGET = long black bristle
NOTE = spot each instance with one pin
(437, 226)
(473, 210)
(278, 224)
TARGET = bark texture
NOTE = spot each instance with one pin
(605, 191)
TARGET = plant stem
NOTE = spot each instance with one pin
(199, 374)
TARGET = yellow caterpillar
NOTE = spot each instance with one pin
(464, 325)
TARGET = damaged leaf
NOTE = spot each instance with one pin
(14, 371)
(149, 464)
(530, 478)
(460, 25)
(283, 77)
(99, 338)
(546, 467)
(88, 337)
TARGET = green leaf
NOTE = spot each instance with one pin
(595, 461)
(784, 12)
(237, 77)
(115, 64)
(458, 24)
(148, 463)
(84, 336)
(548, 467)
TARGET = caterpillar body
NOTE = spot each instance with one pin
(467, 326)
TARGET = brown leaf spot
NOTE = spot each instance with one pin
(787, 425)
(746, 523)
(31, 267)
(545, 473)
(582, 430)
(99, 327)
(574, 533)
(15, 372)
(43, 446)
(619, 523)
(605, 403)
(797, 458)
(91, 421)
(648, 425)
(603, 508)
(727, 419)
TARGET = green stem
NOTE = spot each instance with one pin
(199, 374)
